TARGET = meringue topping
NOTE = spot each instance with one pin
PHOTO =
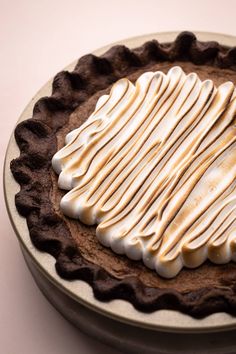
(154, 167)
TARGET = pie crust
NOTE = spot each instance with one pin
(79, 255)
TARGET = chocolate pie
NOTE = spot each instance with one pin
(127, 175)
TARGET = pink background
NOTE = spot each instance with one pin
(38, 39)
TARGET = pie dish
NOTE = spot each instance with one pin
(197, 292)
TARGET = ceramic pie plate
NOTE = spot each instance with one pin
(74, 299)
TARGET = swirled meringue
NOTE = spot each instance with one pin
(154, 167)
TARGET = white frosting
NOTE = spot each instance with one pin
(154, 167)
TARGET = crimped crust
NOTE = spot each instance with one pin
(39, 138)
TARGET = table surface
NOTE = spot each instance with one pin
(38, 39)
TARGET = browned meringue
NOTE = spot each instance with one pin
(154, 166)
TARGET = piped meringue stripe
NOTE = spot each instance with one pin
(154, 167)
